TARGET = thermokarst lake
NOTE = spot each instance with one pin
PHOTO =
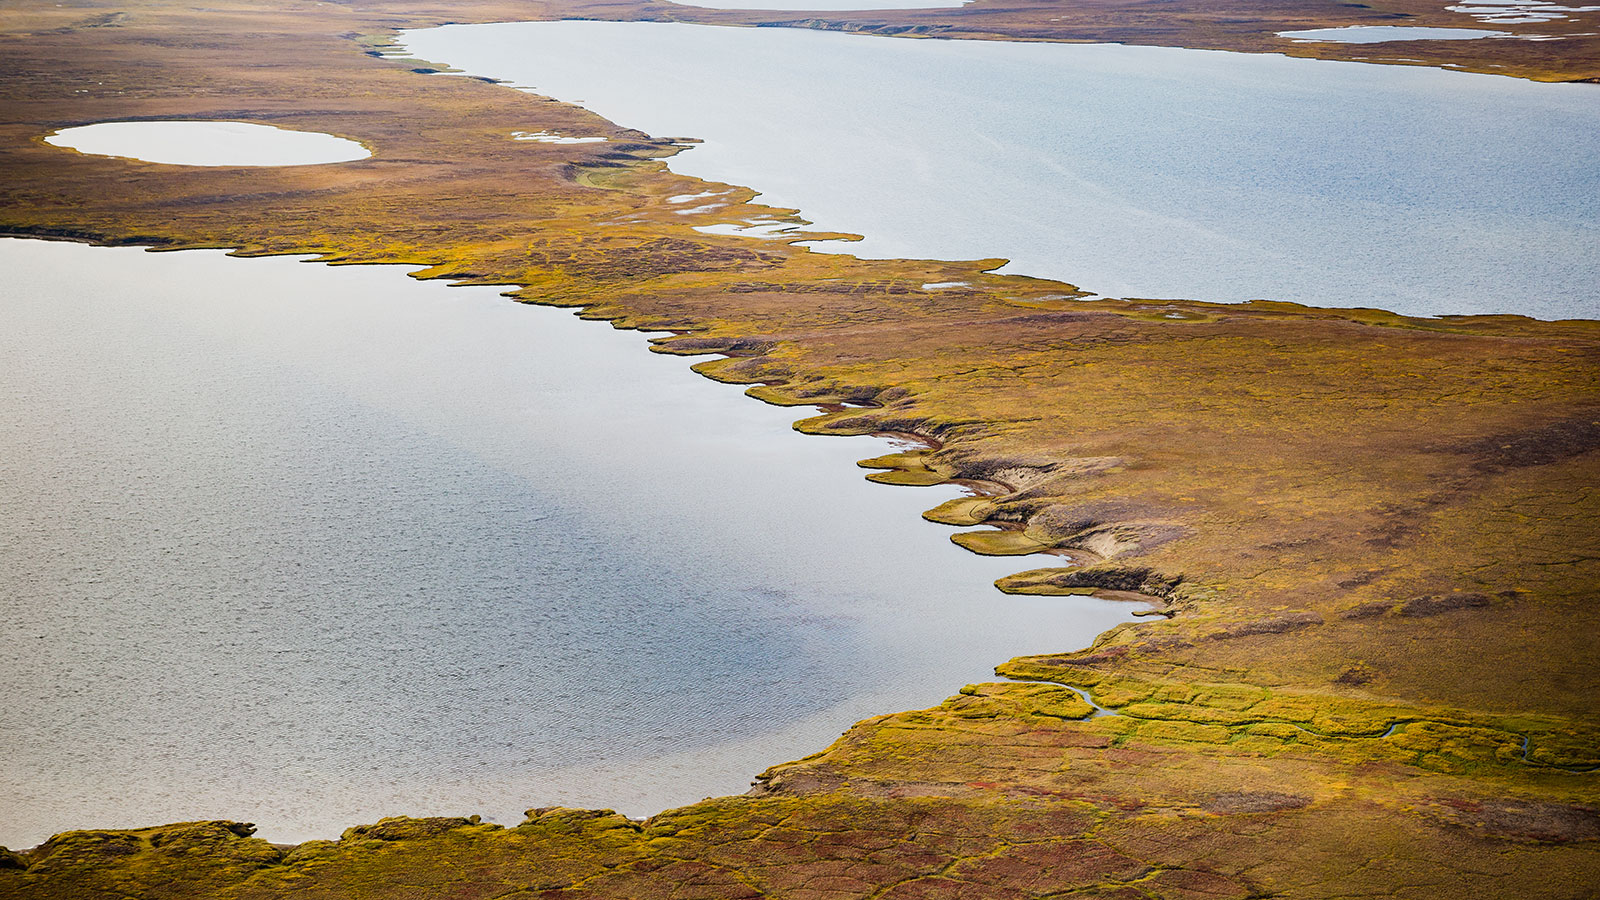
(307, 546)
(1411, 189)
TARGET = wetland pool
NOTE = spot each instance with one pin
(1129, 171)
(307, 545)
(205, 143)
(1378, 34)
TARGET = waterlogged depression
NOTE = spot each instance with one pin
(308, 546)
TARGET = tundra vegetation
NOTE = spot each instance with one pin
(1375, 540)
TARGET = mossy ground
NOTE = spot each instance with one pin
(1377, 536)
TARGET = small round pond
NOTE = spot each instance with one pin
(199, 143)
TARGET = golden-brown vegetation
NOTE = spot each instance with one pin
(1376, 536)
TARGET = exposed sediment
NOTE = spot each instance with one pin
(1377, 535)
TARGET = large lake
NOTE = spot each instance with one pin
(1130, 171)
(308, 545)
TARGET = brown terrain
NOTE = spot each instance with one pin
(1374, 538)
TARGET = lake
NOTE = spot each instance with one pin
(1129, 171)
(206, 143)
(307, 546)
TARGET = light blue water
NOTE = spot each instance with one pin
(1129, 171)
(308, 545)
(799, 5)
(1377, 34)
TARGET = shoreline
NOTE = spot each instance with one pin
(824, 408)
(910, 216)
(1257, 35)
(1574, 58)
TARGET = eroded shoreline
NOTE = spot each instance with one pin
(726, 652)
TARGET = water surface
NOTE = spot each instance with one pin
(308, 546)
(205, 143)
(1377, 34)
(1130, 171)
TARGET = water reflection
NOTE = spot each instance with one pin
(309, 545)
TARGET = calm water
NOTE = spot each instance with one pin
(1130, 171)
(308, 545)
(822, 4)
(199, 143)
(1377, 34)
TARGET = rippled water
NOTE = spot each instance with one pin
(1129, 171)
(308, 545)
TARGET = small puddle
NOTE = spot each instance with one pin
(1514, 12)
(551, 137)
(199, 143)
(756, 228)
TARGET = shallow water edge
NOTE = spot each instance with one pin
(499, 557)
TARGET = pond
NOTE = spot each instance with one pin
(205, 143)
